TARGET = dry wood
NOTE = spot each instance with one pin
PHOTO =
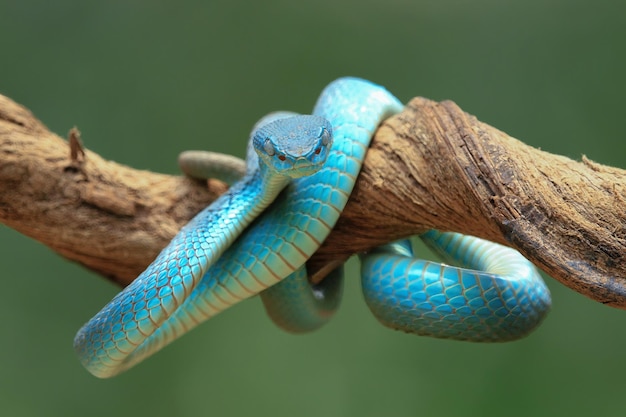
(432, 166)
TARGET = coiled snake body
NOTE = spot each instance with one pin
(213, 263)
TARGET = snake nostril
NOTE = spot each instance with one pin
(282, 157)
(317, 151)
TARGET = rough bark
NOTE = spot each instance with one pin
(432, 166)
(108, 217)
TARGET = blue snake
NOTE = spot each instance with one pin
(213, 263)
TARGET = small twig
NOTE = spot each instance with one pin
(77, 152)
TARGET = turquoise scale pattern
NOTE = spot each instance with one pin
(127, 331)
(109, 341)
(194, 279)
(355, 108)
(280, 241)
(297, 306)
(505, 302)
(129, 328)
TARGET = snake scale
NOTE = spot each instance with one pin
(255, 239)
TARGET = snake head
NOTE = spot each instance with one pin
(295, 146)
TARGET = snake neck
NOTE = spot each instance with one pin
(270, 184)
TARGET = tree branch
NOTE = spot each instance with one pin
(432, 166)
(108, 217)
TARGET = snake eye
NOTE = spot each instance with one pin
(269, 148)
(325, 137)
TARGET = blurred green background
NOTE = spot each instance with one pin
(144, 80)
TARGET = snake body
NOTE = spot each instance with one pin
(498, 296)
(130, 327)
(207, 268)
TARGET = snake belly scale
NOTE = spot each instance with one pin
(214, 263)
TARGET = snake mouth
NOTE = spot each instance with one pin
(304, 166)
(296, 171)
